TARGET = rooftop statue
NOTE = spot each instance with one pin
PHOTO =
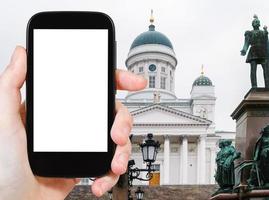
(260, 177)
(258, 53)
(225, 166)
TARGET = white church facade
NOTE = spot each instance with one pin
(184, 127)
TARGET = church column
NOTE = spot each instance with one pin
(180, 162)
(198, 160)
(213, 164)
(202, 159)
(185, 160)
(166, 159)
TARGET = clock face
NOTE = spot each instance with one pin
(152, 67)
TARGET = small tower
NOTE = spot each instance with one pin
(203, 97)
(152, 56)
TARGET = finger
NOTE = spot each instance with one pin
(104, 184)
(77, 180)
(128, 81)
(52, 186)
(11, 80)
(23, 113)
(122, 125)
(14, 75)
(121, 158)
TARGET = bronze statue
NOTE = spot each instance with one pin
(261, 159)
(258, 54)
(225, 166)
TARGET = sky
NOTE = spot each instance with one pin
(207, 32)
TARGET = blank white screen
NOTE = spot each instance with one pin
(70, 90)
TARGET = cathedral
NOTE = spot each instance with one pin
(184, 127)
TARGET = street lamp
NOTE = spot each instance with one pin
(139, 193)
(130, 195)
(110, 194)
(149, 150)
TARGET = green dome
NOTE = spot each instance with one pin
(202, 81)
(151, 37)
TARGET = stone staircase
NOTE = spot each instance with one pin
(175, 192)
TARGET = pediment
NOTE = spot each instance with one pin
(160, 114)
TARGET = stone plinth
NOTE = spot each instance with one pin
(225, 197)
(251, 115)
(175, 192)
(252, 195)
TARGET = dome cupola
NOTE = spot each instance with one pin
(203, 97)
(152, 55)
(202, 80)
(151, 37)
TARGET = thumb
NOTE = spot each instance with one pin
(11, 80)
(14, 75)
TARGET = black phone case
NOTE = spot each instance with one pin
(70, 164)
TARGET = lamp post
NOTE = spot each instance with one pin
(139, 194)
(110, 194)
(149, 151)
(130, 195)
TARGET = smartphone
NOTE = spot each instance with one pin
(70, 93)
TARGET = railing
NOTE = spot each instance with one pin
(243, 168)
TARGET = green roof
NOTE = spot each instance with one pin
(151, 37)
(202, 81)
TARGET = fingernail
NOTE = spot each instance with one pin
(77, 180)
(142, 78)
(100, 191)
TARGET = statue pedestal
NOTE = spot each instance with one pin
(251, 115)
(254, 194)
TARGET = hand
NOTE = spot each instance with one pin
(265, 28)
(16, 178)
(243, 52)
